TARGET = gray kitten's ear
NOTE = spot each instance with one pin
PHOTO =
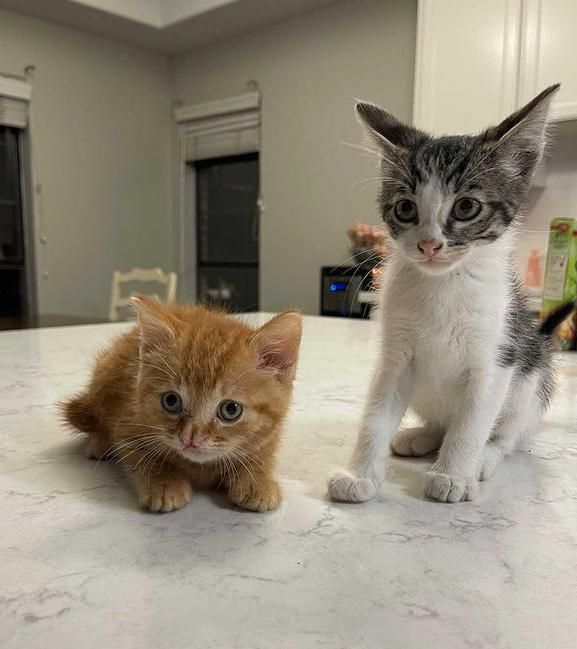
(384, 129)
(525, 130)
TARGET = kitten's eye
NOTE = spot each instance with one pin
(466, 209)
(406, 210)
(229, 410)
(171, 402)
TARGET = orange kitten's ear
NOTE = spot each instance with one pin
(277, 343)
(154, 324)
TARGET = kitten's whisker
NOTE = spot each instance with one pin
(375, 255)
(133, 423)
(153, 459)
(122, 445)
(252, 456)
(138, 449)
(253, 461)
(247, 469)
(165, 457)
(222, 471)
(404, 171)
(361, 285)
(145, 455)
(125, 442)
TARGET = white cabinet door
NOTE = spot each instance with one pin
(467, 63)
(549, 53)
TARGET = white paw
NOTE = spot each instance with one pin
(489, 462)
(415, 442)
(345, 486)
(449, 488)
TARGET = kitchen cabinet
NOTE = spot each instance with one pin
(549, 53)
(478, 61)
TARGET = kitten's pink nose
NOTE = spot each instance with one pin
(193, 442)
(430, 247)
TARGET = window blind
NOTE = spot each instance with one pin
(14, 102)
(220, 128)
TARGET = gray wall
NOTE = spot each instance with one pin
(310, 68)
(101, 150)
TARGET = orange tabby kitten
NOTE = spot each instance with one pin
(192, 396)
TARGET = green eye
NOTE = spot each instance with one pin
(466, 209)
(171, 402)
(229, 411)
(406, 210)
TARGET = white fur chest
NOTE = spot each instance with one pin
(452, 322)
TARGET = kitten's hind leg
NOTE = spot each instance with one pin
(416, 442)
(520, 418)
(79, 413)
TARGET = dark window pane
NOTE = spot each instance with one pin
(9, 165)
(12, 290)
(235, 289)
(227, 213)
(10, 233)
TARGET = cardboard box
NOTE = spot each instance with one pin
(560, 282)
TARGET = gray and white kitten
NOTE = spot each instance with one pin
(458, 343)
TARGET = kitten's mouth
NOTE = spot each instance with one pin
(198, 454)
(196, 450)
(440, 261)
(435, 265)
(436, 262)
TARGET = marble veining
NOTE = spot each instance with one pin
(82, 567)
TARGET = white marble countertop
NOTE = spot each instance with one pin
(82, 567)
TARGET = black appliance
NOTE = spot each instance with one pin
(347, 291)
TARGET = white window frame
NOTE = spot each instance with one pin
(233, 122)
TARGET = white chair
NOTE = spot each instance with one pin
(156, 275)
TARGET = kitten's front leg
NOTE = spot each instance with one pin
(253, 489)
(453, 477)
(388, 399)
(159, 489)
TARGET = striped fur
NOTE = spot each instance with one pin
(458, 343)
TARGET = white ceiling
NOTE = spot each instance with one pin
(168, 26)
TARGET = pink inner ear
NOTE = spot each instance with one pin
(277, 343)
(276, 358)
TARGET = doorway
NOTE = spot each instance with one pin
(227, 231)
(16, 308)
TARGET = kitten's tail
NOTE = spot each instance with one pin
(77, 413)
(555, 318)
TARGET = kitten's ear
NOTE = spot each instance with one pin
(384, 129)
(277, 343)
(154, 324)
(523, 135)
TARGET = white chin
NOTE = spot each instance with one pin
(435, 267)
(199, 457)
